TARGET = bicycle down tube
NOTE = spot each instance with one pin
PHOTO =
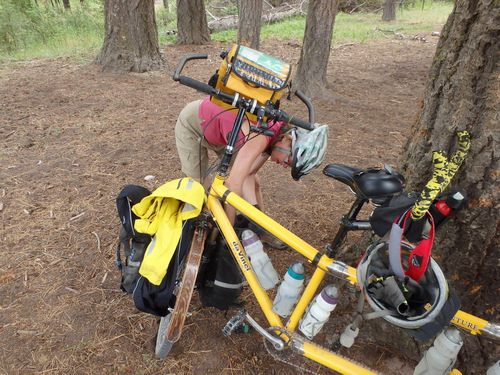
(323, 263)
(307, 349)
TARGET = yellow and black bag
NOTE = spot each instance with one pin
(253, 75)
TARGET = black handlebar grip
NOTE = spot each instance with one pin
(200, 86)
(301, 123)
(308, 103)
(185, 59)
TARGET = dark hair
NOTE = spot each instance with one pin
(285, 129)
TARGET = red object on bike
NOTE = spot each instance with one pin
(443, 208)
(420, 254)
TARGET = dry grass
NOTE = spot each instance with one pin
(72, 137)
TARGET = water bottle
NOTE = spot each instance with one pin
(290, 289)
(439, 358)
(261, 264)
(494, 370)
(319, 311)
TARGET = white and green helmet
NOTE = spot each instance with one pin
(308, 150)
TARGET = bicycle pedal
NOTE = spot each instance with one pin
(234, 323)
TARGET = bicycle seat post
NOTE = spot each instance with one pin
(348, 222)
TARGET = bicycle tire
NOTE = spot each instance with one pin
(163, 343)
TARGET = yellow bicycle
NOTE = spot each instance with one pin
(284, 336)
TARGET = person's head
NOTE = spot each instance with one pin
(303, 150)
(281, 150)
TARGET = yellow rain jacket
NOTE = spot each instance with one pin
(161, 215)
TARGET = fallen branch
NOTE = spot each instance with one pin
(272, 16)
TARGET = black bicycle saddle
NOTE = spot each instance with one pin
(372, 183)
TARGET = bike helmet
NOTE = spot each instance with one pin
(423, 308)
(308, 150)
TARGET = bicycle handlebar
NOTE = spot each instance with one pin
(444, 171)
(236, 101)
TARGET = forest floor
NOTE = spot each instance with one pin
(73, 136)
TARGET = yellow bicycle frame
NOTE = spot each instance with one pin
(219, 192)
(309, 350)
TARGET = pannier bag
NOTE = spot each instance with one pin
(221, 281)
(253, 75)
(158, 299)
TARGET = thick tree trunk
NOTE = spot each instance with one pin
(131, 41)
(66, 4)
(192, 23)
(311, 70)
(389, 13)
(250, 13)
(464, 93)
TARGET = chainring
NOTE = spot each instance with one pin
(288, 351)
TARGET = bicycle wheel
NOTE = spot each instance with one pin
(163, 345)
(171, 325)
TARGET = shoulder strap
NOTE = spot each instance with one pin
(419, 256)
(130, 195)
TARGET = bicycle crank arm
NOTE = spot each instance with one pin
(234, 322)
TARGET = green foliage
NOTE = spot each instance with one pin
(166, 20)
(423, 18)
(28, 30)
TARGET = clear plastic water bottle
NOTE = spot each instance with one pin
(319, 310)
(261, 264)
(440, 357)
(494, 370)
(289, 290)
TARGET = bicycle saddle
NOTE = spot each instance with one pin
(370, 183)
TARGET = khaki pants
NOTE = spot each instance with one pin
(191, 145)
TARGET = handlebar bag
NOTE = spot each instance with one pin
(253, 75)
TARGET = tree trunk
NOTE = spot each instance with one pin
(165, 4)
(192, 23)
(464, 93)
(66, 4)
(311, 70)
(131, 40)
(389, 13)
(250, 13)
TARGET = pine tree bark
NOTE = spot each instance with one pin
(131, 40)
(192, 25)
(463, 93)
(250, 13)
(311, 70)
(389, 13)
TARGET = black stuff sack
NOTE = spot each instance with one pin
(159, 299)
(221, 283)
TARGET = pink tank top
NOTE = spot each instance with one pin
(218, 123)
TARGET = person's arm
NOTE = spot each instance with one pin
(251, 187)
(248, 160)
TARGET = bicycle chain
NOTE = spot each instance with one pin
(292, 336)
